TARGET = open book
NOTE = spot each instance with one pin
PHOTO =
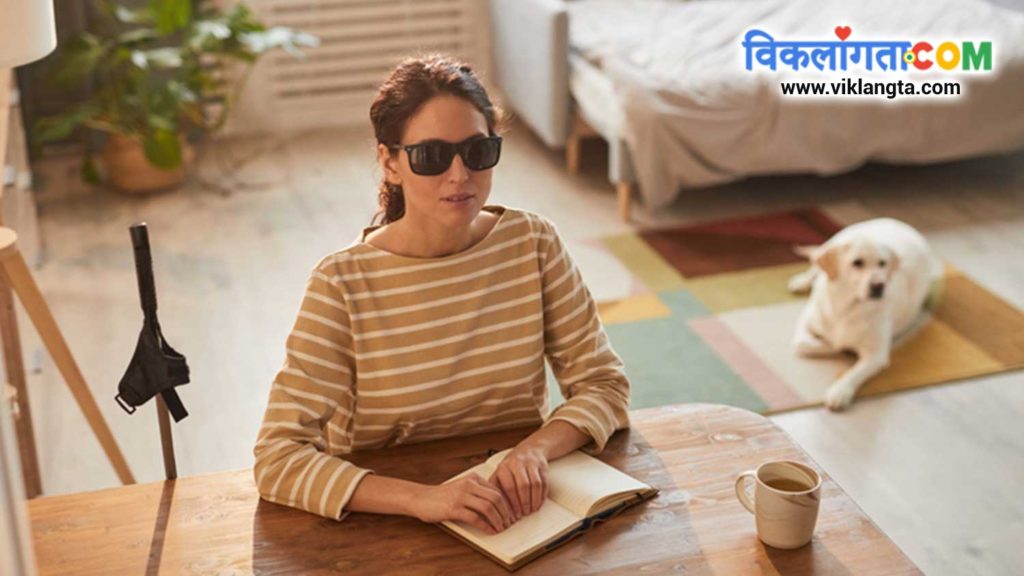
(582, 491)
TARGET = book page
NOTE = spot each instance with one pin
(484, 470)
(578, 481)
(528, 533)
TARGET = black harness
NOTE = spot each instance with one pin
(155, 368)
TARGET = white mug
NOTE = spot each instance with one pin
(785, 503)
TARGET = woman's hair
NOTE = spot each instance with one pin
(412, 82)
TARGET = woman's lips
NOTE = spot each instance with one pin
(458, 198)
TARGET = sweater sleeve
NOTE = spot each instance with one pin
(590, 374)
(292, 466)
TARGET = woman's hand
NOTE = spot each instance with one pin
(470, 499)
(523, 479)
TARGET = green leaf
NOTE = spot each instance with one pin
(60, 126)
(164, 103)
(78, 60)
(210, 30)
(139, 59)
(181, 92)
(241, 19)
(171, 15)
(279, 37)
(162, 148)
(89, 172)
(53, 128)
(161, 122)
(168, 57)
(139, 35)
(131, 15)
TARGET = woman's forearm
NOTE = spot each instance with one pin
(557, 439)
(385, 495)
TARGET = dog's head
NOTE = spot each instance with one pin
(860, 266)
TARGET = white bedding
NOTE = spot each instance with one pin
(693, 116)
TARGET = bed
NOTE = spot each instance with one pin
(663, 82)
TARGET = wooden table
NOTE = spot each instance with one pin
(216, 524)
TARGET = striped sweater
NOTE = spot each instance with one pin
(390, 349)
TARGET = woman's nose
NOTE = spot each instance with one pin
(458, 172)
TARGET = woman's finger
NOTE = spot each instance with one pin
(498, 500)
(523, 490)
(508, 485)
(536, 490)
(485, 508)
(471, 517)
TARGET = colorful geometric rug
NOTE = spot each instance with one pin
(703, 315)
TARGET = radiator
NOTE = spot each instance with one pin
(360, 41)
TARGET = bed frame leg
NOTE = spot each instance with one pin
(578, 130)
(572, 154)
(625, 193)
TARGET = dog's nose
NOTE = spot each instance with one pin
(876, 290)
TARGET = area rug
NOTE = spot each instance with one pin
(707, 318)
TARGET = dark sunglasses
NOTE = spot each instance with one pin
(434, 157)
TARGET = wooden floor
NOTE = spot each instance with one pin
(940, 470)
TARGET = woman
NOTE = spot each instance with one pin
(436, 323)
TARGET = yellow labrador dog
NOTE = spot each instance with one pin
(868, 286)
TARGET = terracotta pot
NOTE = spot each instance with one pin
(129, 170)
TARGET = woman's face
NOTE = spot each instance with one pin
(453, 120)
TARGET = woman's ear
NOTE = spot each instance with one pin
(827, 259)
(389, 164)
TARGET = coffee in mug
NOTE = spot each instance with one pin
(785, 503)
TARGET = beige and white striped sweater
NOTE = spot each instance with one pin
(390, 349)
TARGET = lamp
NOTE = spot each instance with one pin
(27, 32)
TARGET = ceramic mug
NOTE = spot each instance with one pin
(785, 503)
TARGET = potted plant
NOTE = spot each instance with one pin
(162, 71)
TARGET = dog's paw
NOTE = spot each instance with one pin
(807, 345)
(839, 397)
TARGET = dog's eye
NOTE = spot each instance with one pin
(881, 263)
(858, 263)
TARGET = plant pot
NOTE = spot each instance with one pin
(129, 170)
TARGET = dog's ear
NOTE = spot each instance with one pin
(805, 250)
(894, 261)
(827, 259)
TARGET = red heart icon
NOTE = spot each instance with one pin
(843, 32)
